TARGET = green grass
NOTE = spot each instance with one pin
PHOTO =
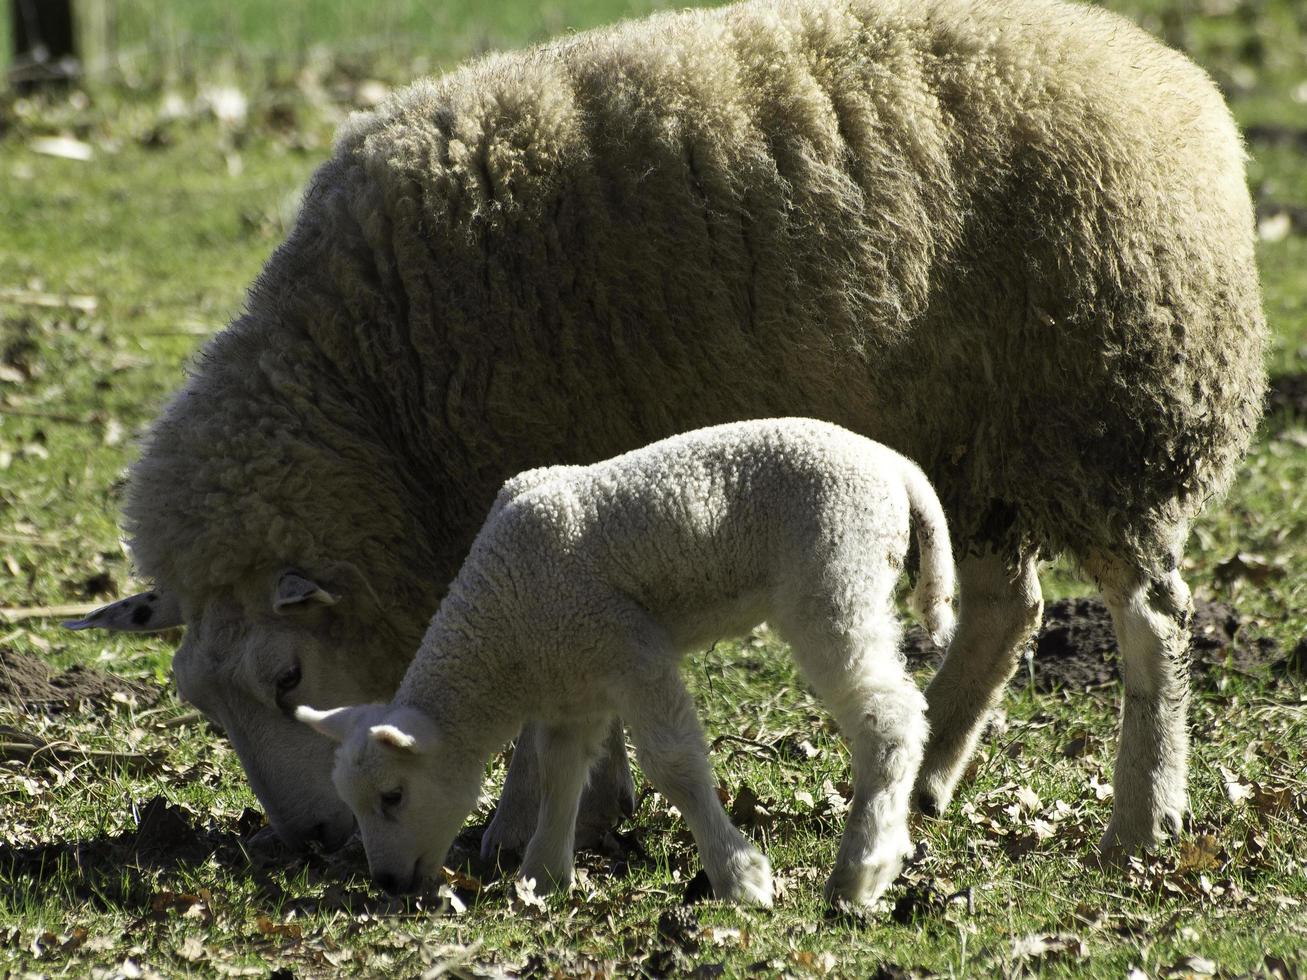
(168, 224)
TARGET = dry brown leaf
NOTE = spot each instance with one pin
(290, 930)
(1202, 853)
(1038, 946)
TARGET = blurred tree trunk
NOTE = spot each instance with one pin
(45, 49)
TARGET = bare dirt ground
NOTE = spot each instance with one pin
(1076, 648)
(29, 681)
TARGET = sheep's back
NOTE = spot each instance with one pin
(1010, 240)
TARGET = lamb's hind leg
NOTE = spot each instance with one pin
(1151, 617)
(883, 716)
(1000, 605)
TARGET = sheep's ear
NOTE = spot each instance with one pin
(146, 612)
(293, 589)
(336, 723)
(405, 729)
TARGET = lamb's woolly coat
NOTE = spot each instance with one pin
(587, 584)
(1010, 239)
(706, 533)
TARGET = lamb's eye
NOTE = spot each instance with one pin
(288, 680)
(392, 798)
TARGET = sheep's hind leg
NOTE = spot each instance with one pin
(514, 822)
(1151, 618)
(670, 743)
(564, 755)
(608, 797)
(861, 678)
(1000, 606)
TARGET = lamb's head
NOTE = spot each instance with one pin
(410, 788)
(254, 652)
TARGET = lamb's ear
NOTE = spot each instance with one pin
(146, 612)
(336, 723)
(293, 589)
(406, 729)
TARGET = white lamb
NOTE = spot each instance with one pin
(581, 593)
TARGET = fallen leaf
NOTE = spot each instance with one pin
(525, 891)
(1191, 966)
(1237, 789)
(1038, 946)
(64, 147)
(1202, 853)
(291, 930)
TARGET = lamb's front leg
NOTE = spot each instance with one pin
(609, 796)
(564, 753)
(672, 750)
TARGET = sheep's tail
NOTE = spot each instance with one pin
(932, 598)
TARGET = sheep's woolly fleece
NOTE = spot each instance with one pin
(1010, 239)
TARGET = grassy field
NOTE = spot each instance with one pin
(125, 824)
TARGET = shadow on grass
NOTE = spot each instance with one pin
(120, 872)
(156, 869)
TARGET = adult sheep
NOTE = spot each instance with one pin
(1011, 240)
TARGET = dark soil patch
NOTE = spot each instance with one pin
(1287, 395)
(27, 680)
(1076, 647)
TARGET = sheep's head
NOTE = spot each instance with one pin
(410, 788)
(255, 651)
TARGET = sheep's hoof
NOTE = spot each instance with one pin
(747, 879)
(1121, 840)
(507, 835)
(609, 798)
(924, 802)
(857, 884)
(859, 887)
(932, 793)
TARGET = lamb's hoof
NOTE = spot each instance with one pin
(597, 819)
(747, 879)
(925, 803)
(507, 835)
(546, 881)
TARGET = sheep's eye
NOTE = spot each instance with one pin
(392, 798)
(289, 680)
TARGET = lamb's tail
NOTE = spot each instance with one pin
(932, 599)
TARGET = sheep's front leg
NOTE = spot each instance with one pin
(670, 741)
(609, 795)
(564, 754)
(1150, 797)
